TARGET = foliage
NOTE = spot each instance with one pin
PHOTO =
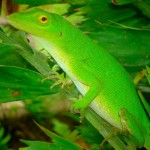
(58, 142)
(22, 84)
(148, 74)
(4, 139)
(120, 27)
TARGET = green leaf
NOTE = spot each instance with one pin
(121, 30)
(130, 47)
(148, 74)
(36, 2)
(145, 103)
(144, 6)
(4, 139)
(9, 56)
(22, 47)
(58, 141)
(37, 145)
(89, 133)
(104, 11)
(1, 132)
(18, 83)
(63, 130)
(60, 9)
(122, 2)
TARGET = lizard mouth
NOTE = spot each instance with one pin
(12, 21)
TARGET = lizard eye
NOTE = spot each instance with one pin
(43, 19)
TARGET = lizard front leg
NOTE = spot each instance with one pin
(93, 88)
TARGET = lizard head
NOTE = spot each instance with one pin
(37, 22)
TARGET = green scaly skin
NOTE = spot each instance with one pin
(105, 85)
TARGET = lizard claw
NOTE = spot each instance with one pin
(60, 79)
(74, 100)
(77, 107)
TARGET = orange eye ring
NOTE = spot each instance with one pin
(43, 19)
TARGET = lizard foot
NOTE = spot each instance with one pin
(60, 79)
(78, 105)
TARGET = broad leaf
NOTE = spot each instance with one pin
(130, 47)
(18, 40)
(38, 145)
(58, 143)
(18, 84)
(122, 2)
(9, 56)
(36, 2)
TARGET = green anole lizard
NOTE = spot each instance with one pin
(105, 85)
